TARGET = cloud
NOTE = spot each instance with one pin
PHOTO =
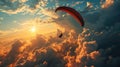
(88, 8)
(107, 22)
(23, 1)
(107, 3)
(49, 13)
(13, 1)
(104, 17)
(77, 3)
(20, 6)
(52, 52)
(2, 33)
(74, 49)
(13, 6)
(12, 56)
(89, 5)
(34, 4)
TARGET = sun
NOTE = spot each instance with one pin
(33, 29)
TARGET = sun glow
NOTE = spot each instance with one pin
(33, 29)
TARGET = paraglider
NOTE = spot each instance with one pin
(72, 12)
(60, 35)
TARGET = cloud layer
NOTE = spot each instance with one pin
(51, 52)
(96, 46)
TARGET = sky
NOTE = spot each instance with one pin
(29, 31)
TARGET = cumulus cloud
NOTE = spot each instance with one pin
(11, 6)
(12, 56)
(107, 3)
(17, 6)
(89, 8)
(33, 7)
(107, 22)
(73, 49)
(51, 13)
(51, 52)
(104, 17)
(89, 5)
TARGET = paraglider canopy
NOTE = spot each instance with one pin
(72, 12)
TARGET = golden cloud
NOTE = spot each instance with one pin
(42, 51)
(107, 3)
